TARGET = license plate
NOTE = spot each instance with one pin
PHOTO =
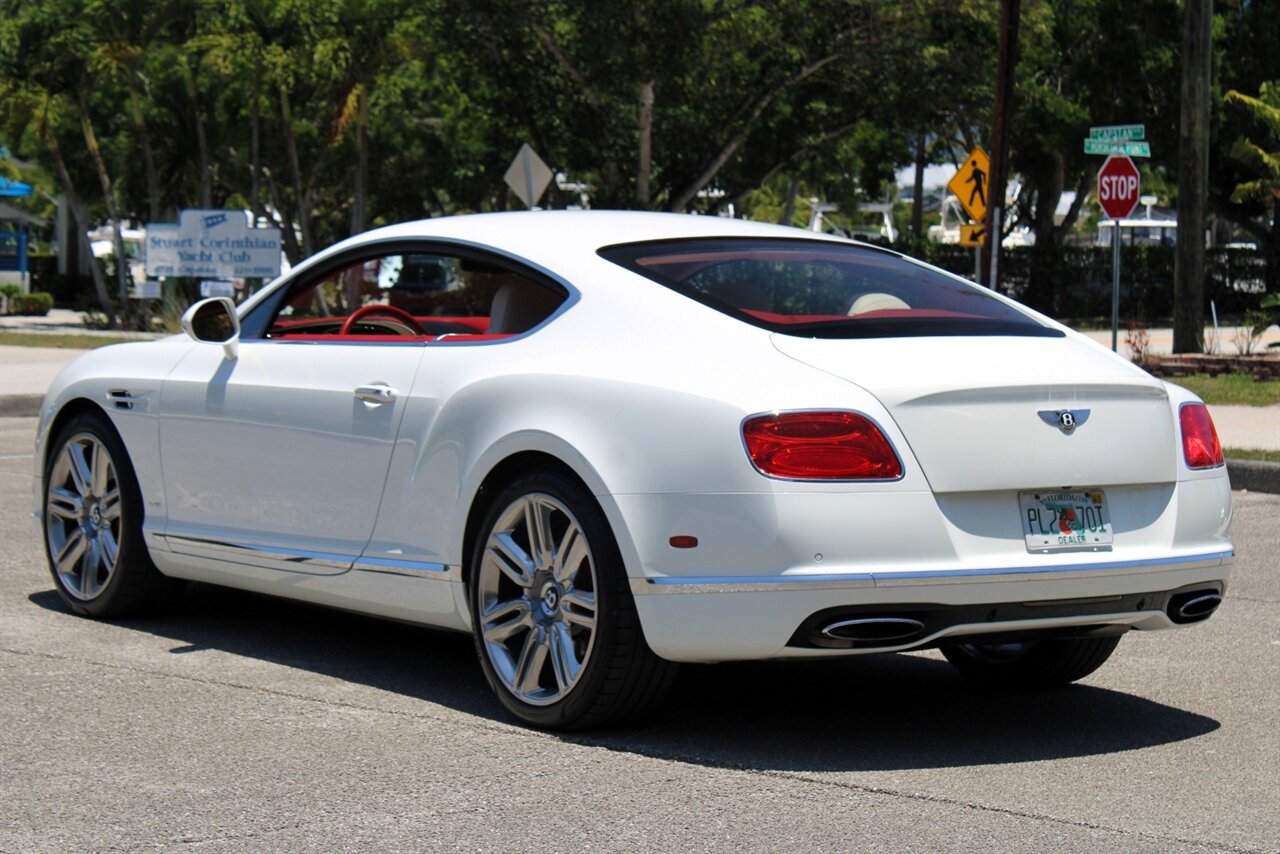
(1065, 520)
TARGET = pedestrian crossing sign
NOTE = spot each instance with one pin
(974, 234)
(969, 184)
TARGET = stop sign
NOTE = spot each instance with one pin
(1118, 184)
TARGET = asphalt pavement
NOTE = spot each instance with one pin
(237, 722)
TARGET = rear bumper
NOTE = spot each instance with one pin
(723, 618)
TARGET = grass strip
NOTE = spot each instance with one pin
(1251, 454)
(62, 340)
(1231, 389)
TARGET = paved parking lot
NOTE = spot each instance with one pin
(240, 723)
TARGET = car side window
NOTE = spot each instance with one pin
(412, 295)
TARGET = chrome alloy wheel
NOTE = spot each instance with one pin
(537, 600)
(82, 516)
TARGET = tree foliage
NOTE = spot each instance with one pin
(329, 118)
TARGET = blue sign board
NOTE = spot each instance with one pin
(212, 244)
(13, 251)
(14, 188)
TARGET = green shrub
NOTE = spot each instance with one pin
(36, 304)
(9, 290)
(1074, 284)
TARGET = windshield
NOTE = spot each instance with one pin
(823, 290)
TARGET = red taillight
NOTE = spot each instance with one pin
(1200, 446)
(820, 446)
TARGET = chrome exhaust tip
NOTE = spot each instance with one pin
(878, 631)
(1197, 607)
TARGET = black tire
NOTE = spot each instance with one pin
(531, 613)
(92, 510)
(1035, 664)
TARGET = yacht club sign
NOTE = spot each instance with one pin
(212, 244)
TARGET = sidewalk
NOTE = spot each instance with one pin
(27, 372)
(66, 321)
(1230, 340)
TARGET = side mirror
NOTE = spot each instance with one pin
(214, 321)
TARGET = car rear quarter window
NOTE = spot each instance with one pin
(820, 289)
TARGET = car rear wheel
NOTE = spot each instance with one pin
(1034, 664)
(555, 623)
(93, 524)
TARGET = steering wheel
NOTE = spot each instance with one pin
(402, 317)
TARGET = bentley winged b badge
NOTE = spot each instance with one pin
(1065, 420)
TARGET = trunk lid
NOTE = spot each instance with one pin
(970, 408)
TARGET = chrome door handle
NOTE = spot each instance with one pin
(376, 394)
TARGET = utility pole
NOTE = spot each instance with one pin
(917, 191)
(1193, 178)
(996, 215)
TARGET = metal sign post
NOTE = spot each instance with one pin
(996, 225)
(1118, 186)
(1115, 283)
(969, 186)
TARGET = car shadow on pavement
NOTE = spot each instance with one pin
(875, 712)
(434, 666)
(890, 712)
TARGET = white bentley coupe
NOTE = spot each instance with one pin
(604, 443)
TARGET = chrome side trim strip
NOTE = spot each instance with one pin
(201, 547)
(1032, 573)
(749, 583)
(848, 581)
(409, 568)
(155, 540)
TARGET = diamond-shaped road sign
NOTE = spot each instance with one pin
(969, 185)
(528, 176)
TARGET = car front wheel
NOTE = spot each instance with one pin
(93, 524)
(555, 623)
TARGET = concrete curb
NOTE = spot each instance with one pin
(20, 405)
(1254, 475)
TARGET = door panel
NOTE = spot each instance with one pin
(279, 458)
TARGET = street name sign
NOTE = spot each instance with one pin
(1129, 149)
(1118, 132)
(969, 184)
(212, 244)
(1118, 186)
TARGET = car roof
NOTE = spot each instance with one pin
(539, 235)
(559, 241)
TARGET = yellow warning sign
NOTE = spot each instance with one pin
(973, 234)
(969, 185)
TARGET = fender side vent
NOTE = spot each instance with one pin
(124, 399)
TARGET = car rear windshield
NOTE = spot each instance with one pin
(820, 289)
